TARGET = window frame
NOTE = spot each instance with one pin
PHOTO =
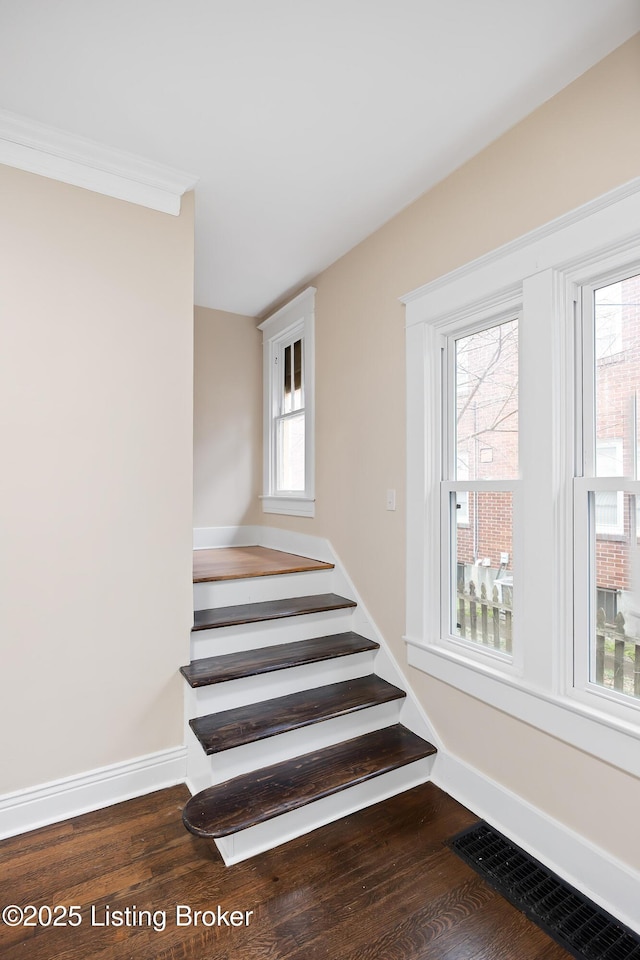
(294, 321)
(543, 271)
(585, 281)
(450, 333)
(280, 415)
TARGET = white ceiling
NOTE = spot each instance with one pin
(309, 122)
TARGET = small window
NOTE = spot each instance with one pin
(288, 485)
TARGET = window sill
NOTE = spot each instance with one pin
(581, 725)
(289, 506)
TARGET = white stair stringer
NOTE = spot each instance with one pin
(413, 715)
(272, 833)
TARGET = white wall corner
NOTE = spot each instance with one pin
(58, 155)
(59, 800)
(611, 884)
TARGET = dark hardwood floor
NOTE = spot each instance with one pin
(378, 885)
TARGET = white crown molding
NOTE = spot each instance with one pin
(59, 800)
(526, 243)
(58, 155)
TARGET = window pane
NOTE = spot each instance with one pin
(617, 377)
(609, 502)
(292, 377)
(482, 602)
(615, 603)
(287, 406)
(609, 512)
(290, 462)
(487, 403)
(297, 373)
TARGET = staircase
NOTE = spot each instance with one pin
(288, 724)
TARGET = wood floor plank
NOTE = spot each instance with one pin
(234, 563)
(378, 884)
(269, 718)
(281, 656)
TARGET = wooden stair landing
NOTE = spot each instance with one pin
(282, 656)
(268, 610)
(271, 791)
(258, 721)
(234, 563)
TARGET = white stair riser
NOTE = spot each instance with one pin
(266, 686)
(251, 636)
(272, 833)
(252, 756)
(224, 593)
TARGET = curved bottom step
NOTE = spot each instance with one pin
(272, 833)
(245, 804)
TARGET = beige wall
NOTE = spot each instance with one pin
(96, 310)
(580, 144)
(227, 431)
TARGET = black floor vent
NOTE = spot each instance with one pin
(577, 924)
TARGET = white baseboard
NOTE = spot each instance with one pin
(611, 884)
(59, 800)
(246, 536)
(207, 537)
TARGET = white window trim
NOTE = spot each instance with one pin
(541, 270)
(297, 315)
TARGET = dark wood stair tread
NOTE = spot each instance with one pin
(257, 721)
(251, 663)
(255, 797)
(235, 563)
(268, 610)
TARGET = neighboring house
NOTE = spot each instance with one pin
(96, 405)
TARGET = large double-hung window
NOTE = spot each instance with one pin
(523, 478)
